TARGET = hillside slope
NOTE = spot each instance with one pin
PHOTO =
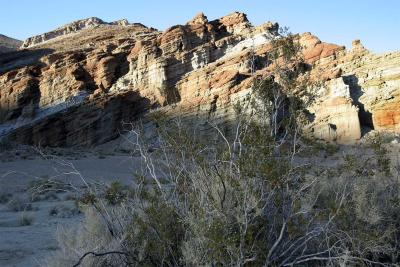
(8, 44)
(80, 86)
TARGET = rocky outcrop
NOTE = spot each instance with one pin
(374, 84)
(235, 23)
(22, 88)
(8, 44)
(91, 122)
(376, 81)
(336, 117)
(70, 28)
(316, 50)
(79, 84)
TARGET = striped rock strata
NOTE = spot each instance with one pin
(78, 87)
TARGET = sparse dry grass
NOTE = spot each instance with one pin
(17, 204)
(26, 219)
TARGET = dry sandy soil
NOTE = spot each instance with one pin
(28, 235)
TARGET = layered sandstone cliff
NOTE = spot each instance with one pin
(80, 83)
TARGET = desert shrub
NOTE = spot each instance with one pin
(87, 198)
(255, 207)
(63, 211)
(115, 193)
(312, 147)
(45, 188)
(369, 213)
(377, 143)
(382, 137)
(26, 220)
(5, 197)
(19, 204)
(92, 235)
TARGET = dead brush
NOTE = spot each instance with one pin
(46, 188)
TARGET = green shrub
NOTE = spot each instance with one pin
(87, 198)
(5, 197)
(381, 153)
(26, 220)
(115, 193)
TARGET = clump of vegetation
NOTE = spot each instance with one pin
(45, 188)
(377, 143)
(5, 197)
(384, 137)
(19, 204)
(63, 211)
(26, 219)
(313, 147)
(115, 193)
(370, 207)
(92, 235)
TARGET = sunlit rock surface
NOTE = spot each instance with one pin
(77, 84)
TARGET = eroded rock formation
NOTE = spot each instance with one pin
(374, 84)
(336, 116)
(78, 84)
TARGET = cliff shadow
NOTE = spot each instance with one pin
(174, 72)
(356, 92)
(122, 68)
(22, 58)
(88, 124)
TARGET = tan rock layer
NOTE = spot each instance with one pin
(197, 70)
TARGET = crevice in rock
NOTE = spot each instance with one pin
(356, 92)
(81, 74)
(213, 106)
(122, 67)
(28, 101)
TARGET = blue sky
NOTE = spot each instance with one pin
(375, 22)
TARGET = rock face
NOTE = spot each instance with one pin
(336, 116)
(373, 82)
(8, 44)
(77, 84)
(70, 28)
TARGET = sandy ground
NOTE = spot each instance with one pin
(28, 245)
(16, 175)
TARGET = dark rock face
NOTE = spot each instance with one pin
(92, 123)
(8, 44)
